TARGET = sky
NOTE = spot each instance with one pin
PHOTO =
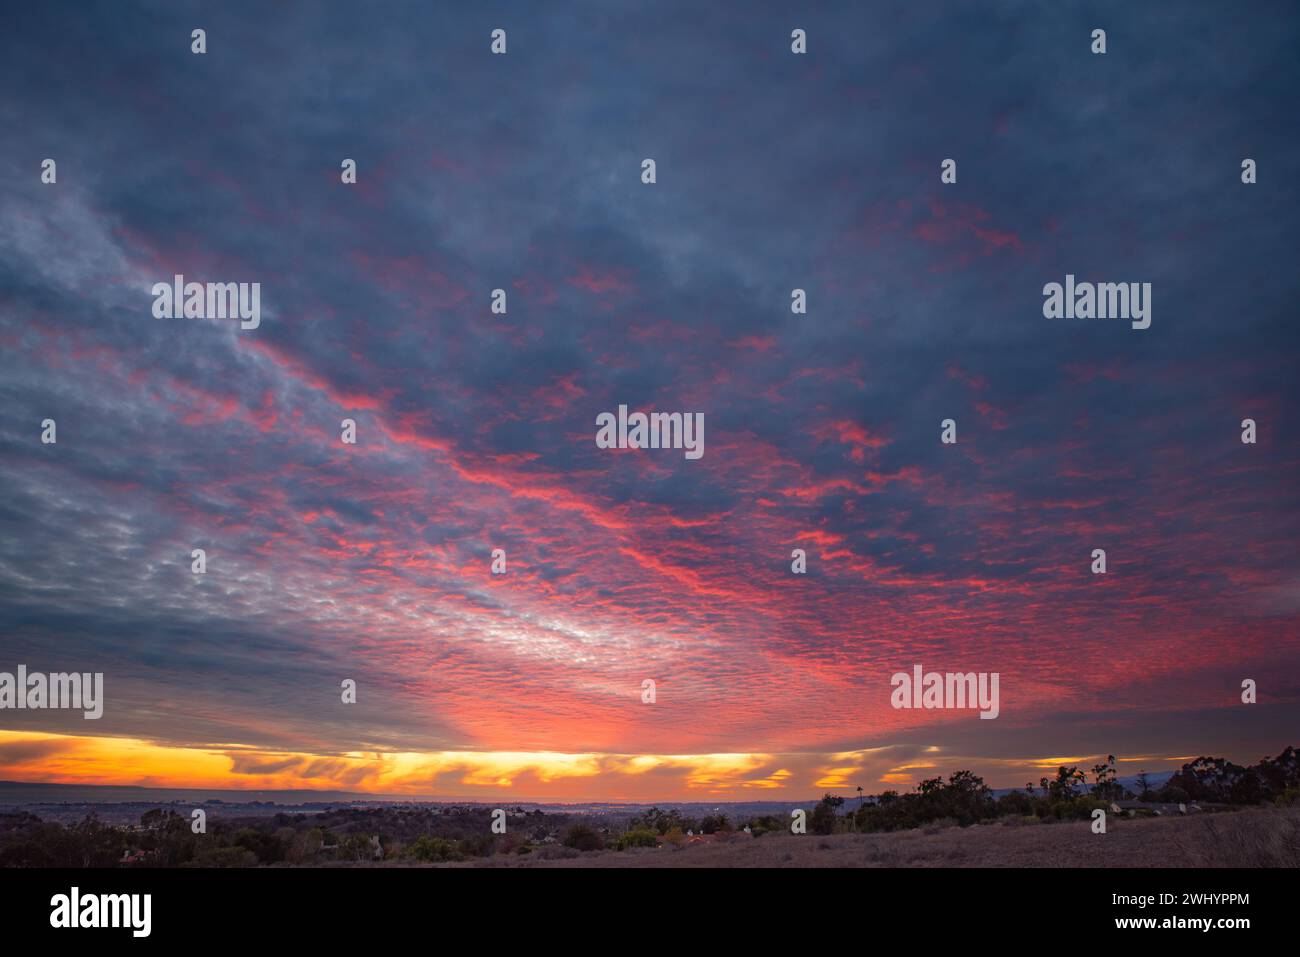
(476, 431)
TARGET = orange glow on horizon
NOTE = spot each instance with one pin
(46, 758)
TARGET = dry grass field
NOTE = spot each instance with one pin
(1254, 838)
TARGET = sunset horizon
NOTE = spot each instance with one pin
(532, 777)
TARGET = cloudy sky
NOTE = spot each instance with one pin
(476, 431)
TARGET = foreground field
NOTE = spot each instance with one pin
(1254, 838)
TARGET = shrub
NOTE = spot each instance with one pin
(355, 847)
(1016, 802)
(822, 820)
(1288, 798)
(510, 842)
(581, 837)
(478, 845)
(713, 823)
(762, 825)
(1078, 808)
(426, 847)
(644, 837)
(661, 822)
